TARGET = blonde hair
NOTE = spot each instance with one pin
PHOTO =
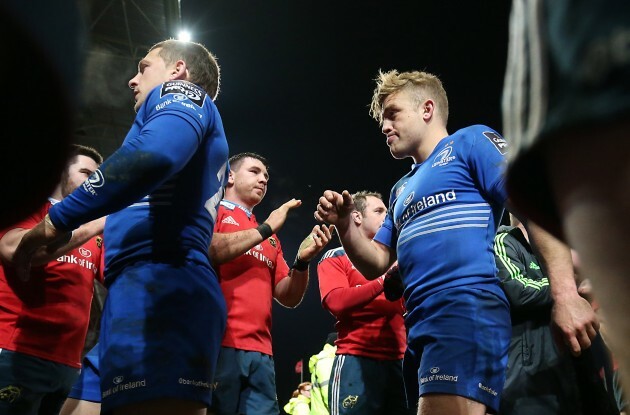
(423, 84)
(300, 388)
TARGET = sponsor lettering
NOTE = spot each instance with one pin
(423, 203)
(123, 386)
(436, 377)
(179, 88)
(499, 142)
(259, 256)
(161, 105)
(82, 262)
(197, 383)
(487, 389)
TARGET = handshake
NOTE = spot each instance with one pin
(392, 284)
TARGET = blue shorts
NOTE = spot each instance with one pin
(457, 344)
(245, 383)
(364, 386)
(88, 385)
(161, 332)
(33, 386)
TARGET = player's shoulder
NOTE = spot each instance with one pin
(178, 95)
(181, 90)
(333, 253)
(483, 135)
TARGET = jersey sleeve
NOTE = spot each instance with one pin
(387, 233)
(523, 292)
(488, 163)
(163, 146)
(336, 293)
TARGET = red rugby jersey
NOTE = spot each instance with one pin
(376, 329)
(47, 316)
(247, 283)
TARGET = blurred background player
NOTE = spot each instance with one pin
(566, 108)
(43, 321)
(541, 378)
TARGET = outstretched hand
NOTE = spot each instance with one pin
(335, 207)
(315, 242)
(277, 218)
(43, 234)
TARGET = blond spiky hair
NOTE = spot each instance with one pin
(427, 86)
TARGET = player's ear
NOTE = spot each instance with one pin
(180, 70)
(356, 217)
(427, 109)
(230, 178)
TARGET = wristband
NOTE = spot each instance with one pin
(300, 265)
(265, 230)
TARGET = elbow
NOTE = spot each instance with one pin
(331, 308)
(6, 256)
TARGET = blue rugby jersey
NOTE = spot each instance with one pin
(167, 177)
(443, 215)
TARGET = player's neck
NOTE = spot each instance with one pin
(233, 197)
(56, 194)
(428, 144)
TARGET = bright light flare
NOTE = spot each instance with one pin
(184, 35)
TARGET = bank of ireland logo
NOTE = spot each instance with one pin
(85, 252)
(434, 370)
(179, 97)
(409, 198)
(443, 157)
(96, 179)
(118, 379)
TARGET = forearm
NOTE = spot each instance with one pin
(43, 255)
(227, 246)
(344, 299)
(557, 261)
(79, 236)
(290, 291)
(372, 259)
(134, 171)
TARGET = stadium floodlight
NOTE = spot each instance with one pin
(184, 35)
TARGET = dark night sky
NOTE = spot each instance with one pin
(297, 79)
